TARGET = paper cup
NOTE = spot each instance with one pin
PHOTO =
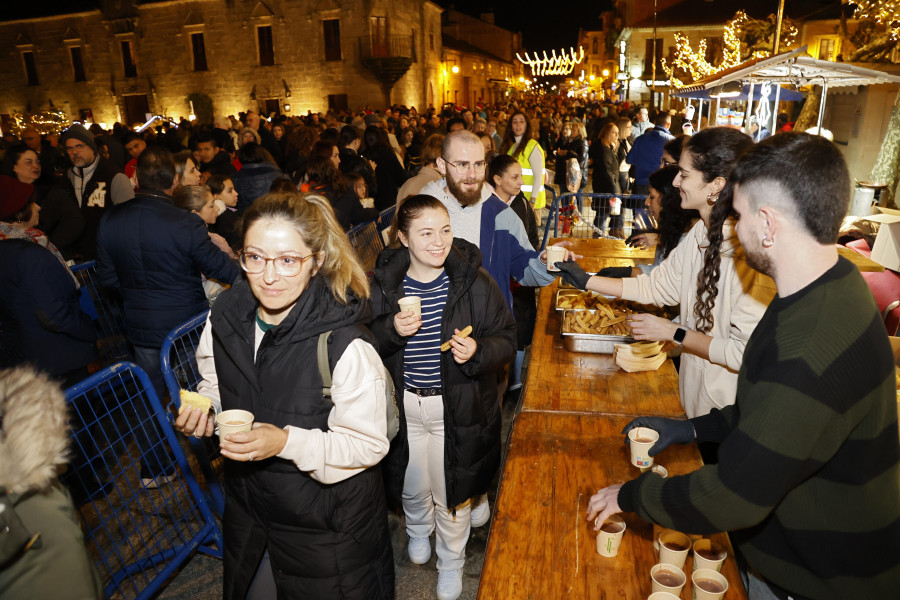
(641, 440)
(708, 584)
(555, 254)
(666, 578)
(660, 470)
(662, 596)
(233, 421)
(610, 536)
(673, 548)
(413, 303)
(709, 555)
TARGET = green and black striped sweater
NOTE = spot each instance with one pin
(808, 480)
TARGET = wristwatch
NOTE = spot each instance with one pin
(679, 335)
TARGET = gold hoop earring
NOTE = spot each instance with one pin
(768, 242)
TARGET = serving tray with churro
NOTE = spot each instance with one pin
(573, 299)
(592, 331)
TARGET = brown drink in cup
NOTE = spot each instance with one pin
(667, 578)
(708, 584)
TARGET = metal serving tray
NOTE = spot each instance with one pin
(590, 342)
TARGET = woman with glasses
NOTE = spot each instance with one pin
(305, 515)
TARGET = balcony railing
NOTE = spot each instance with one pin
(386, 46)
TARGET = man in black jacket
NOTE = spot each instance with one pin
(213, 160)
(351, 162)
(155, 254)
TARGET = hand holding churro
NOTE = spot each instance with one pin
(461, 345)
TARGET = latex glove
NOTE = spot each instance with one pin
(671, 431)
(574, 275)
(617, 272)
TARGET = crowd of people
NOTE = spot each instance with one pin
(249, 216)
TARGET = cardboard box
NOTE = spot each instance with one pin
(886, 250)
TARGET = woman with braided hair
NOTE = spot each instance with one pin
(706, 274)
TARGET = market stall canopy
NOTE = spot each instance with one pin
(793, 67)
(785, 95)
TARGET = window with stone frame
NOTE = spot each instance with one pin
(265, 45)
(198, 50)
(77, 63)
(31, 76)
(128, 64)
(331, 33)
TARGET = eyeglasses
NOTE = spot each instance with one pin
(463, 167)
(286, 266)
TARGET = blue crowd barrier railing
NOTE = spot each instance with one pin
(367, 242)
(104, 307)
(179, 368)
(139, 528)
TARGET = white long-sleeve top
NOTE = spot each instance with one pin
(356, 438)
(740, 304)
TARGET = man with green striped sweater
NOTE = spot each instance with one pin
(808, 478)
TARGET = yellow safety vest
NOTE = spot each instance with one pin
(528, 173)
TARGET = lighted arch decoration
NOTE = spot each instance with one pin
(554, 64)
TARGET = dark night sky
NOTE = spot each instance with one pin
(544, 25)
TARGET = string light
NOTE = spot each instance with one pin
(694, 62)
(47, 121)
(553, 64)
(885, 12)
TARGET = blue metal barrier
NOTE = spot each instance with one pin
(138, 532)
(179, 368)
(565, 203)
(104, 307)
(367, 242)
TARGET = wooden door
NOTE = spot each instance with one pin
(136, 109)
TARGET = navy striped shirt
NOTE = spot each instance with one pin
(422, 357)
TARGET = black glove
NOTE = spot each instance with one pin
(574, 275)
(629, 241)
(617, 272)
(671, 431)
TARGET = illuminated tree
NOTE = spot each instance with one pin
(744, 38)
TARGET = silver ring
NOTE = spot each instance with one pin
(250, 455)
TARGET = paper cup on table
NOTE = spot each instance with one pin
(708, 555)
(555, 254)
(610, 536)
(667, 578)
(662, 596)
(673, 548)
(233, 421)
(641, 440)
(411, 303)
(708, 584)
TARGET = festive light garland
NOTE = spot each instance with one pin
(48, 121)
(695, 63)
(553, 64)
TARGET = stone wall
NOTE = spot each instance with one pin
(160, 34)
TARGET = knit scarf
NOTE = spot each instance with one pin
(10, 232)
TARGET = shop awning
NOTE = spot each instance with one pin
(786, 94)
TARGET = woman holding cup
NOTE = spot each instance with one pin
(304, 513)
(448, 447)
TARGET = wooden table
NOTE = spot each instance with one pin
(541, 545)
(560, 380)
(565, 445)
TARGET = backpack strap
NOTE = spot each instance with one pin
(324, 367)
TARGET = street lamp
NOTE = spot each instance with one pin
(455, 69)
(636, 71)
(606, 72)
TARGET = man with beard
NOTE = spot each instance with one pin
(808, 478)
(480, 217)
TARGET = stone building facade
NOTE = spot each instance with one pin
(127, 58)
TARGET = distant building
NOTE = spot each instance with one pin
(119, 60)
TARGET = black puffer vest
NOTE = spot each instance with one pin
(325, 541)
(96, 199)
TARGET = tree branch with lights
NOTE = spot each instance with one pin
(743, 37)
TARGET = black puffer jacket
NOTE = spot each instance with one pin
(324, 541)
(470, 394)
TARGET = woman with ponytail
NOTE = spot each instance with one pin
(706, 274)
(305, 514)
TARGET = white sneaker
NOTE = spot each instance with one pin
(449, 585)
(481, 510)
(419, 550)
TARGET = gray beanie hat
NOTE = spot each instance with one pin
(78, 132)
